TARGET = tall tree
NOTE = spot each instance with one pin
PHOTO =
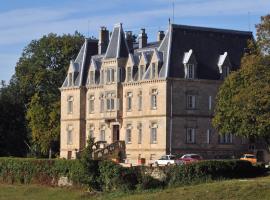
(263, 34)
(40, 72)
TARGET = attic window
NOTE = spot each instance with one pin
(92, 77)
(153, 70)
(190, 71)
(128, 74)
(70, 79)
(141, 72)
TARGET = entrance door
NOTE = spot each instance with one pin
(69, 155)
(115, 133)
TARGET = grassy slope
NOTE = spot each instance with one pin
(233, 190)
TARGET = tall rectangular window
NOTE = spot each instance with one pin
(69, 134)
(128, 74)
(210, 102)
(128, 134)
(208, 136)
(91, 131)
(154, 99)
(102, 135)
(190, 138)
(70, 105)
(91, 104)
(101, 76)
(226, 139)
(191, 101)
(190, 71)
(102, 105)
(108, 76)
(139, 133)
(110, 102)
(92, 80)
(141, 72)
(70, 82)
(153, 133)
(112, 75)
(140, 100)
(129, 101)
(153, 70)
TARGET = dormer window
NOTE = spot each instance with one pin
(110, 75)
(70, 82)
(92, 77)
(190, 71)
(226, 71)
(128, 74)
(141, 72)
(153, 70)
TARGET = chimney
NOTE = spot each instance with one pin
(142, 38)
(103, 40)
(160, 36)
(129, 40)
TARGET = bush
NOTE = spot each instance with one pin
(212, 170)
(41, 171)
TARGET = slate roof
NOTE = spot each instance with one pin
(209, 46)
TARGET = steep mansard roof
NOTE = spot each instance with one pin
(208, 45)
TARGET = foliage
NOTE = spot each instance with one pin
(13, 131)
(263, 34)
(89, 166)
(39, 73)
(212, 170)
(243, 102)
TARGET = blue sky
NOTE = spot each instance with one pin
(24, 20)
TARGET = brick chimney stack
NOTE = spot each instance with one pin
(103, 40)
(160, 36)
(142, 38)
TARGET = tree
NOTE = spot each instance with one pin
(40, 72)
(263, 34)
(13, 130)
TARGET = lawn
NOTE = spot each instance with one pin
(245, 189)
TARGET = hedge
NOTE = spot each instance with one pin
(109, 176)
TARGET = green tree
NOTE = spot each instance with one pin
(40, 72)
(263, 34)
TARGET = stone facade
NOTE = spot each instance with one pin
(157, 97)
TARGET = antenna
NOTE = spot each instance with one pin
(88, 28)
(173, 11)
(248, 20)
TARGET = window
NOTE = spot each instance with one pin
(129, 101)
(191, 101)
(91, 104)
(110, 75)
(190, 71)
(70, 105)
(101, 77)
(210, 102)
(140, 100)
(102, 134)
(153, 134)
(128, 74)
(153, 70)
(208, 135)
(128, 134)
(152, 156)
(101, 103)
(91, 131)
(190, 135)
(70, 79)
(69, 134)
(110, 101)
(154, 99)
(225, 139)
(141, 72)
(140, 133)
(92, 80)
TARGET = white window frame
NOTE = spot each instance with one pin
(190, 135)
(190, 71)
(102, 136)
(153, 99)
(128, 134)
(69, 135)
(140, 133)
(70, 104)
(129, 101)
(110, 102)
(153, 133)
(91, 104)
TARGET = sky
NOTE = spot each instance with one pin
(24, 20)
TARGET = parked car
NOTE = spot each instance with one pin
(167, 160)
(190, 158)
(249, 157)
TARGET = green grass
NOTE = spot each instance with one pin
(247, 189)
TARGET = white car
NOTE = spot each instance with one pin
(167, 160)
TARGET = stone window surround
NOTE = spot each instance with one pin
(191, 135)
(91, 103)
(70, 100)
(69, 134)
(153, 96)
(153, 135)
